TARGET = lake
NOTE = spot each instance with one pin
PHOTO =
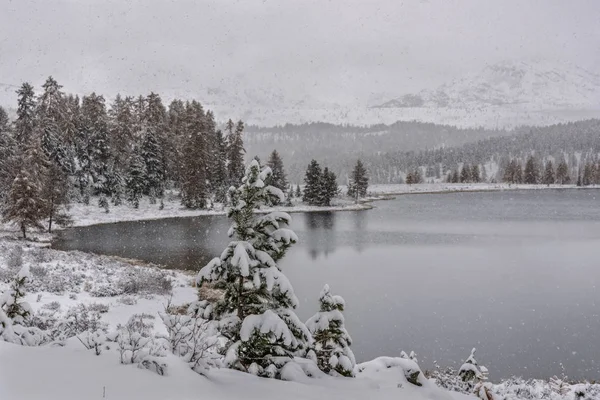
(514, 274)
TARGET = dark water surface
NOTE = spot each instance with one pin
(515, 274)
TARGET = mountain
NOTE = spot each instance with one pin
(510, 85)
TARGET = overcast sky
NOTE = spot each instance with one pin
(328, 50)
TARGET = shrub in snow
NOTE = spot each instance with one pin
(409, 370)
(255, 314)
(448, 379)
(77, 320)
(93, 340)
(193, 339)
(137, 344)
(331, 340)
(100, 308)
(559, 385)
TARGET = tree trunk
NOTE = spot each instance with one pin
(50, 217)
(23, 230)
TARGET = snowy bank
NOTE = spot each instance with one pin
(425, 188)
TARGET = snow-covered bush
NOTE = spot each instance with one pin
(79, 319)
(331, 340)
(93, 340)
(469, 371)
(137, 344)
(192, 338)
(255, 315)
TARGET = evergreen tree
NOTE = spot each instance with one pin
(135, 181)
(95, 130)
(455, 176)
(298, 191)
(588, 174)
(562, 173)
(532, 173)
(278, 179)
(153, 162)
(56, 197)
(50, 121)
(12, 301)
(312, 183)
(24, 205)
(193, 173)
(475, 175)
(469, 371)
(8, 154)
(219, 173)
(328, 188)
(25, 121)
(235, 152)
(255, 314)
(549, 173)
(518, 172)
(121, 131)
(359, 181)
(465, 174)
(331, 340)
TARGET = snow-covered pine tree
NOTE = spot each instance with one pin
(278, 179)
(331, 340)
(219, 171)
(256, 313)
(469, 371)
(24, 206)
(8, 154)
(312, 183)
(235, 152)
(94, 123)
(328, 187)
(56, 197)
(135, 180)
(518, 177)
(465, 174)
(194, 191)
(11, 300)
(24, 124)
(121, 131)
(475, 175)
(455, 176)
(549, 173)
(298, 191)
(532, 173)
(153, 161)
(50, 122)
(359, 181)
(588, 174)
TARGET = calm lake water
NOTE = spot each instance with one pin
(515, 274)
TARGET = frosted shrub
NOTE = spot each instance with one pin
(93, 340)
(137, 345)
(193, 339)
(77, 320)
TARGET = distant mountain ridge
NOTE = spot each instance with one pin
(539, 85)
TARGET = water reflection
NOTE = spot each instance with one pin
(321, 237)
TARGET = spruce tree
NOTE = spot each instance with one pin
(24, 123)
(50, 122)
(278, 179)
(562, 173)
(12, 301)
(235, 152)
(298, 191)
(518, 173)
(328, 188)
(312, 183)
(455, 176)
(8, 154)
(475, 175)
(154, 168)
(465, 174)
(331, 340)
(24, 204)
(532, 173)
(194, 191)
(121, 131)
(549, 173)
(588, 174)
(255, 315)
(135, 181)
(56, 197)
(359, 181)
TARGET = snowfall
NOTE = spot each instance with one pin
(119, 288)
